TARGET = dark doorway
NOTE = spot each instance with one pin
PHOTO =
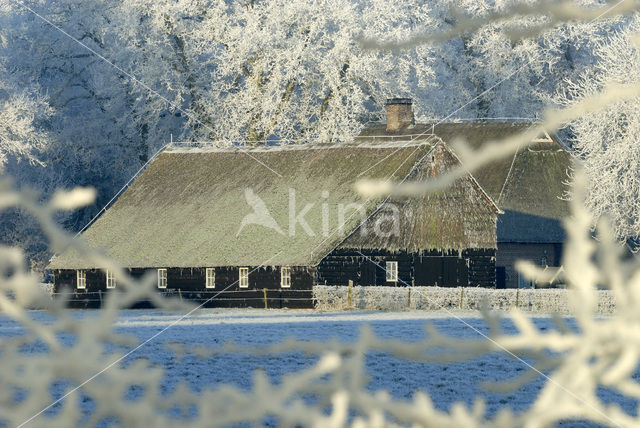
(501, 277)
(441, 271)
(454, 272)
(428, 271)
(368, 270)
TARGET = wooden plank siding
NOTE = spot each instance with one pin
(481, 267)
(541, 254)
(474, 268)
(189, 283)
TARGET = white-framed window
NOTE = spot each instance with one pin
(392, 271)
(210, 281)
(285, 277)
(81, 279)
(111, 280)
(162, 278)
(244, 278)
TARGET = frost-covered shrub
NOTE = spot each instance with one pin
(47, 287)
(437, 298)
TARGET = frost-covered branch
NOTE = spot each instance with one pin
(607, 139)
(543, 14)
(20, 134)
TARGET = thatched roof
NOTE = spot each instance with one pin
(187, 208)
(529, 187)
(462, 216)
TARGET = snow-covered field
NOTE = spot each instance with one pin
(445, 383)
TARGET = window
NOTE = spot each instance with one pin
(81, 279)
(285, 277)
(392, 271)
(210, 281)
(244, 278)
(111, 280)
(162, 278)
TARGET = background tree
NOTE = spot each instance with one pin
(246, 73)
(607, 141)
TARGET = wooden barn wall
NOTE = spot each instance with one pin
(474, 268)
(481, 267)
(189, 283)
(509, 253)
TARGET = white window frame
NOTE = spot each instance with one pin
(81, 279)
(210, 278)
(111, 280)
(162, 278)
(243, 277)
(285, 277)
(392, 271)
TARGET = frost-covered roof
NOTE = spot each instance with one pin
(462, 216)
(529, 186)
(187, 209)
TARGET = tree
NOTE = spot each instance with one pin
(20, 135)
(23, 108)
(498, 73)
(140, 72)
(607, 141)
(275, 69)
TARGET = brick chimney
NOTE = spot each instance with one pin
(399, 113)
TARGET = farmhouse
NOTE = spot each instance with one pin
(263, 225)
(529, 187)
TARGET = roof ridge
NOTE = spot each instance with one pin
(203, 147)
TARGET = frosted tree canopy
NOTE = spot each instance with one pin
(90, 91)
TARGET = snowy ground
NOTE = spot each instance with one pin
(445, 383)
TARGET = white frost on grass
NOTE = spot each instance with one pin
(277, 316)
(544, 301)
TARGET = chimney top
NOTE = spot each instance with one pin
(392, 101)
(399, 113)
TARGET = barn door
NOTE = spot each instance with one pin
(501, 277)
(449, 272)
(368, 273)
(454, 272)
(428, 271)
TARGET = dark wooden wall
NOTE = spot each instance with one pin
(189, 283)
(539, 254)
(482, 267)
(367, 268)
(474, 268)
